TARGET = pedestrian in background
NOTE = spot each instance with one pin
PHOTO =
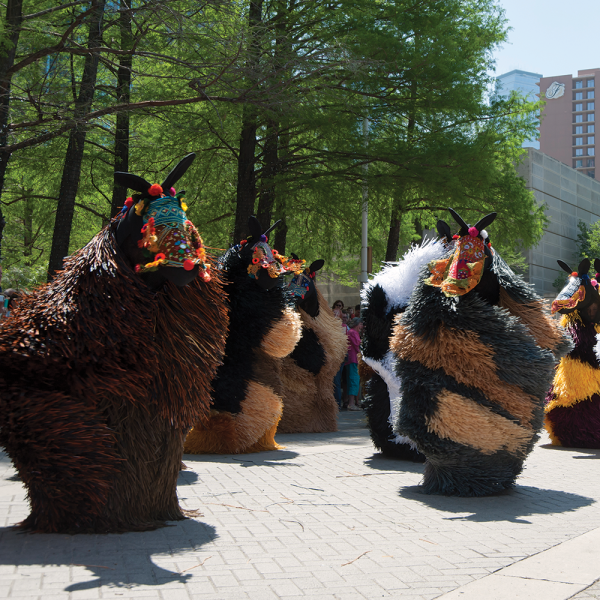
(354, 328)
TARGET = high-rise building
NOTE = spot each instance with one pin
(569, 197)
(568, 122)
(524, 82)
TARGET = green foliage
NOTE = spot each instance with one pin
(416, 70)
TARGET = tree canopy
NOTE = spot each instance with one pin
(294, 108)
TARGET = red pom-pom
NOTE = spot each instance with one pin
(574, 274)
(456, 236)
(489, 244)
(243, 242)
(255, 261)
(160, 256)
(155, 190)
(151, 222)
(188, 264)
(473, 232)
(129, 202)
(137, 268)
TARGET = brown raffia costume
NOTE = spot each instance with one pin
(101, 376)
(309, 405)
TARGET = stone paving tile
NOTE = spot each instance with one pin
(591, 592)
(326, 518)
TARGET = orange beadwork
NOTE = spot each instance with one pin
(572, 302)
(461, 273)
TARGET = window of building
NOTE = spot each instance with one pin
(578, 151)
(578, 141)
(578, 96)
(590, 117)
(591, 162)
(590, 95)
(590, 83)
(578, 118)
(591, 128)
(591, 151)
(578, 84)
(577, 164)
(579, 128)
(590, 173)
(591, 139)
(590, 106)
(578, 106)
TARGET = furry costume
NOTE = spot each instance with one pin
(573, 401)
(307, 373)
(263, 328)
(384, 297)
(474, 354)
(100, 378)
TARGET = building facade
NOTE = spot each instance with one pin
(524, 82)
(570, 196)
(568, 122)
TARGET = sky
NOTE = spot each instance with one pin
(551, 37)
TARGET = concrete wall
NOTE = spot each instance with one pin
(570, 196)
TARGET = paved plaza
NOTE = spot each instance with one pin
(327, 518)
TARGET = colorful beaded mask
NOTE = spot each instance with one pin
(562, 304)
(275, 264)
(170, 237)
(300, 285)
(461, 272)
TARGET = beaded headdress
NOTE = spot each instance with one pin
(462, 271)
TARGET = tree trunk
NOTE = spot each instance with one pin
(270, 168)
(246, 181)
(12, 30)
(282, 229)
(72, 167)
(28, 230)
(123, 97)
(393, 241)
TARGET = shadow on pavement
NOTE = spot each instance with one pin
(512, 505)
(383, 463)
(591, 452)
(260, 459)
(116, 560)
(187, 478)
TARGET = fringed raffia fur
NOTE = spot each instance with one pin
(309, 405)
(100, 378)
(473, 380)
(246, 402)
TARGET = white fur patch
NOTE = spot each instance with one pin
(385, 368)
(399, 279)
(597, 346)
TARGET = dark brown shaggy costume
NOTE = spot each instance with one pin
(100, 379)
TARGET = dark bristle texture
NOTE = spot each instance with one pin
(474, 371)
(246, 402)
(100, 378)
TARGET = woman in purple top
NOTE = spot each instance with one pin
(353, 380)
